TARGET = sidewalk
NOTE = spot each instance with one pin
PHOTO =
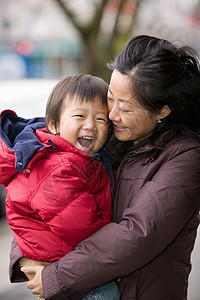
(8, 291)
(18, 291)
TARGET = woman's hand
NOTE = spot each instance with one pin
(34, 272)
(24, 262)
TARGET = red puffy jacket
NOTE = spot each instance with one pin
(57, 195)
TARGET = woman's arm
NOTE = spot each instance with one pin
(17, 261)
(160, 211)
(14, 269)
(32, 269)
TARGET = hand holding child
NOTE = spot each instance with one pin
(33, 270)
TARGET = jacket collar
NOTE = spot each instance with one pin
(118, 149)
(18, 135)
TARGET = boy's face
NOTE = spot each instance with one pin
(84, 124)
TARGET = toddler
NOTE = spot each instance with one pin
(58, 179)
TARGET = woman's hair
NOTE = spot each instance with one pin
(163, 74)
(81, 87)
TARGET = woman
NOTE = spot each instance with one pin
(154, 104)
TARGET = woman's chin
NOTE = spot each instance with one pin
(122, 136)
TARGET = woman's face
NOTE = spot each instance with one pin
(131, 120)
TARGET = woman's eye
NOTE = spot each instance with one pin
(124, 110)
(110, 99)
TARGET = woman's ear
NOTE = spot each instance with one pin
(164, 112)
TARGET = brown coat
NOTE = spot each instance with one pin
(149, 244)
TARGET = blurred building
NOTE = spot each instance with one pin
(176, 20)
(36, 41)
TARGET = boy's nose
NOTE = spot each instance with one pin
(90, 124)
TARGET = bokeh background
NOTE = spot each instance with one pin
(44, 41)
(54, 38)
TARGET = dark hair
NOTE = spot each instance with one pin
(163, 74)
(85, 86)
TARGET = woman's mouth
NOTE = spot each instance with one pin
(119, 128)
(86, 141)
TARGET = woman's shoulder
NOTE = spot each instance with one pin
(184, 146)
(185, 140)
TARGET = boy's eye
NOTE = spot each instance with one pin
(102, 119)
(78, 116)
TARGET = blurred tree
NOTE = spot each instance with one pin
(104, 33)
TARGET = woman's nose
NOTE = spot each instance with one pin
(114, 114)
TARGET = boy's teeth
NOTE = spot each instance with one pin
(86, 141)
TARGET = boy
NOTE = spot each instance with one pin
(58, 192)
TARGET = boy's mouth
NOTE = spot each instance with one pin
(86, 141)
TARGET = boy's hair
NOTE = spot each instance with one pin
(83, 87)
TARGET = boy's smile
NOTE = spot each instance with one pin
(86, 141)
(84, 124)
